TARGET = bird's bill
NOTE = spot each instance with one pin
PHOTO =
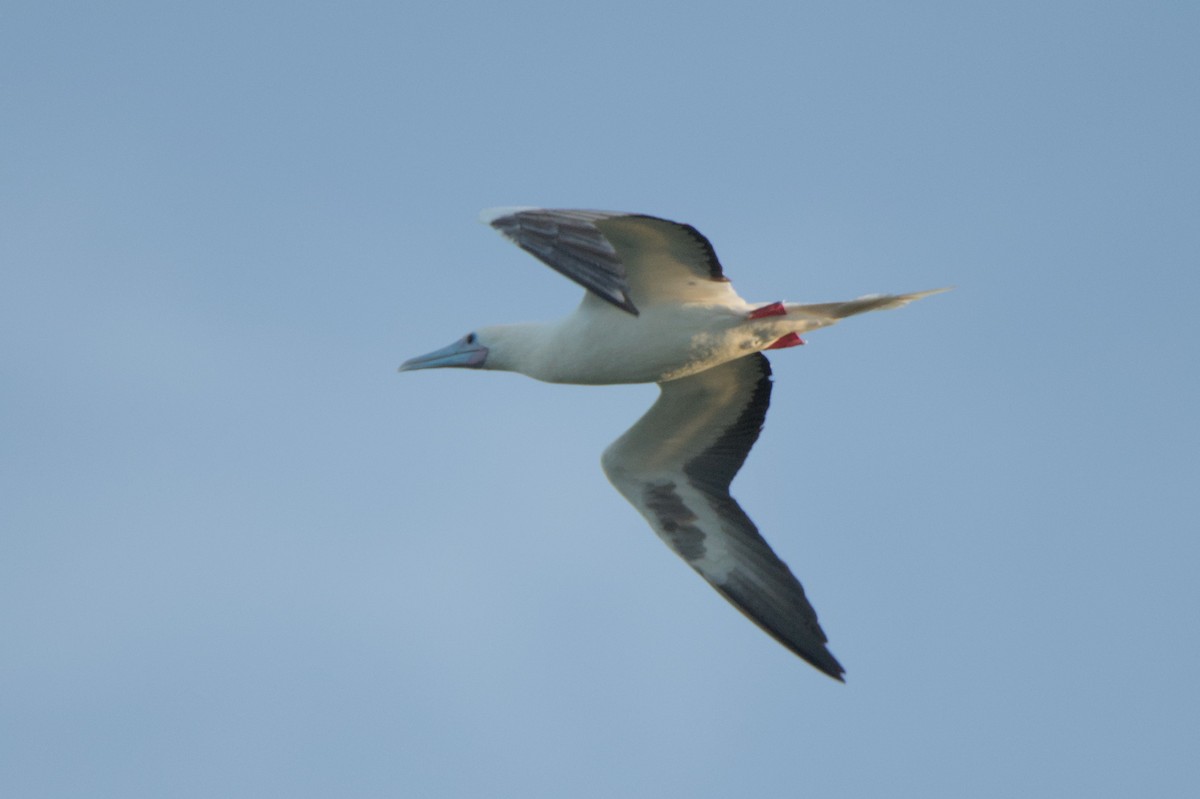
(461, 354)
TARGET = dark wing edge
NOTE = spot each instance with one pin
(759, 584)
(570, 244)
(709, 254)
(767, 592)
(764, 589)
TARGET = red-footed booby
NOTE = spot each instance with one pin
(659, 309)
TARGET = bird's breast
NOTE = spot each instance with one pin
(609, 347)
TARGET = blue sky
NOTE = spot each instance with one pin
(241, 556)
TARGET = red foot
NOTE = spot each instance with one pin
(774, 309)
(790, 340)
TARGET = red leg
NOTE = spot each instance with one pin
(774, 309)
(790, 340)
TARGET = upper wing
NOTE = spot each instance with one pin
(675, 465)
(629, 260)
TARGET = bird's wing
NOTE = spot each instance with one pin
(675, 466)
(629, 260)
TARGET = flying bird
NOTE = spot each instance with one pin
(659, 309)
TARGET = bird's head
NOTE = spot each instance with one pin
(468, 352)
(506, 348)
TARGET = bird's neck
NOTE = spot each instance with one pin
(520, 347)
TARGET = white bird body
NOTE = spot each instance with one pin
(593, 345)
(659, 309)
(602, 345)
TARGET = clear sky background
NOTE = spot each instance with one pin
(242, 557)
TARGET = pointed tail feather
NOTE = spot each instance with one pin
(826, 313)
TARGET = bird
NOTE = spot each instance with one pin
(658, 308)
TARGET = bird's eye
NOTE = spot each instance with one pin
(470, 338)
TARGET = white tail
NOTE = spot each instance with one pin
(826, 313)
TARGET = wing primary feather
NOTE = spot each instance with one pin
(675, 466)
(628, 260)
(570, 244)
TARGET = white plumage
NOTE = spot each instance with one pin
(659, 308)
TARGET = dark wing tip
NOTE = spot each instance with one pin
(829, 665)
(624, 303)
(569, 243)
(796, 628)
(763, 588)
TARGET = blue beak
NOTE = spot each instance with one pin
(467, 352)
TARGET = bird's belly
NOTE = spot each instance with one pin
(618, 357)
